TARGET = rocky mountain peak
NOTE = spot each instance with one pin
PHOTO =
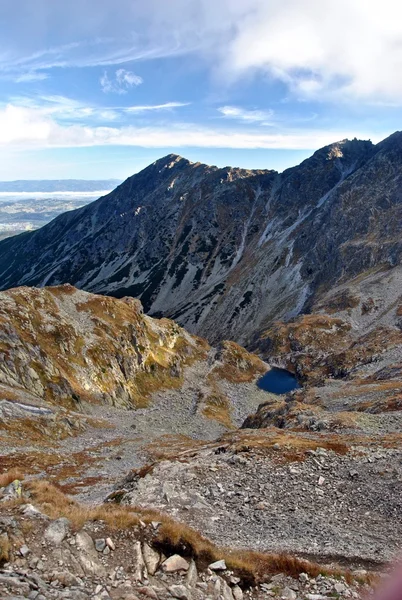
(170, 161)
(346, 153)
(392, 142)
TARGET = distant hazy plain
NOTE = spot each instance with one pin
(25, 211)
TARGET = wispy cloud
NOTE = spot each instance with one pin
(62, 108)
(249, 116)
(25, 127)
(155, 107)
(30, 76)
(121, 82)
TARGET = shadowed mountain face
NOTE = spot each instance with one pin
(226, 251)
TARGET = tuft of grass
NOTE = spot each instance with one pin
(56, 504)
(10, 476)
(5, 548)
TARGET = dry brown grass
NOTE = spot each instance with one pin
(56, 504)
(10, 476)
(174, 536)
(252, 567)
(238, 365)
(290, 443)
(169, 447)
(55, 465)
(217, 408)
(5, 548)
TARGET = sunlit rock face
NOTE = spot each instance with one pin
(226, 252)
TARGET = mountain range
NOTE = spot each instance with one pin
(226, 251)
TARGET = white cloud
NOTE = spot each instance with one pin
(123, 80)
(152, 107)
(325, 50)
(62, 108)
(249, 116)
(320, 49)
(26, 127)
(127, 78)
(30, 76)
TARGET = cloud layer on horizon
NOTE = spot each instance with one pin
(24, 127)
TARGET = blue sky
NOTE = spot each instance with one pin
(101, 88)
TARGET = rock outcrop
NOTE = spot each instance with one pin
(67, 347)
(66, 353)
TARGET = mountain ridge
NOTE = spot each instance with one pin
(225, 251)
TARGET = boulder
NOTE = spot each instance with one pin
(175, 563)
(138, 567)
(151, 558)
(219, 565)
(180, 591)
(57, 531)
(88, 556)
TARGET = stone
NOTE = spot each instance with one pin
(88, 556)
(148, 592)
(138, 568)
(226, 591)
(100, 545)
(13, 491)
(66, 578)
(321, 480)
(340, 588)
(24, 550)
(29, 510)
(218, 565)
(152, 558)
(180, 592)
(192, 575)
(57, 531)
(175, 563)
(237, 593)
(110, 544)
(303, 577)
(289, 594)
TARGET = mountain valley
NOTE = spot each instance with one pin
(133, 334)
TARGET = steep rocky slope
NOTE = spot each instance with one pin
(67, 347)
(69, 358)
(226, 251)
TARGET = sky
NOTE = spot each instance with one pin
(101, 88)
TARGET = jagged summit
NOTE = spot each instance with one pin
(170, 160)
(346, 152)
(393, 141)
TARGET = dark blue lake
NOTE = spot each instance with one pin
(278, 381)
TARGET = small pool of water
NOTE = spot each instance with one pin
(278, 381)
